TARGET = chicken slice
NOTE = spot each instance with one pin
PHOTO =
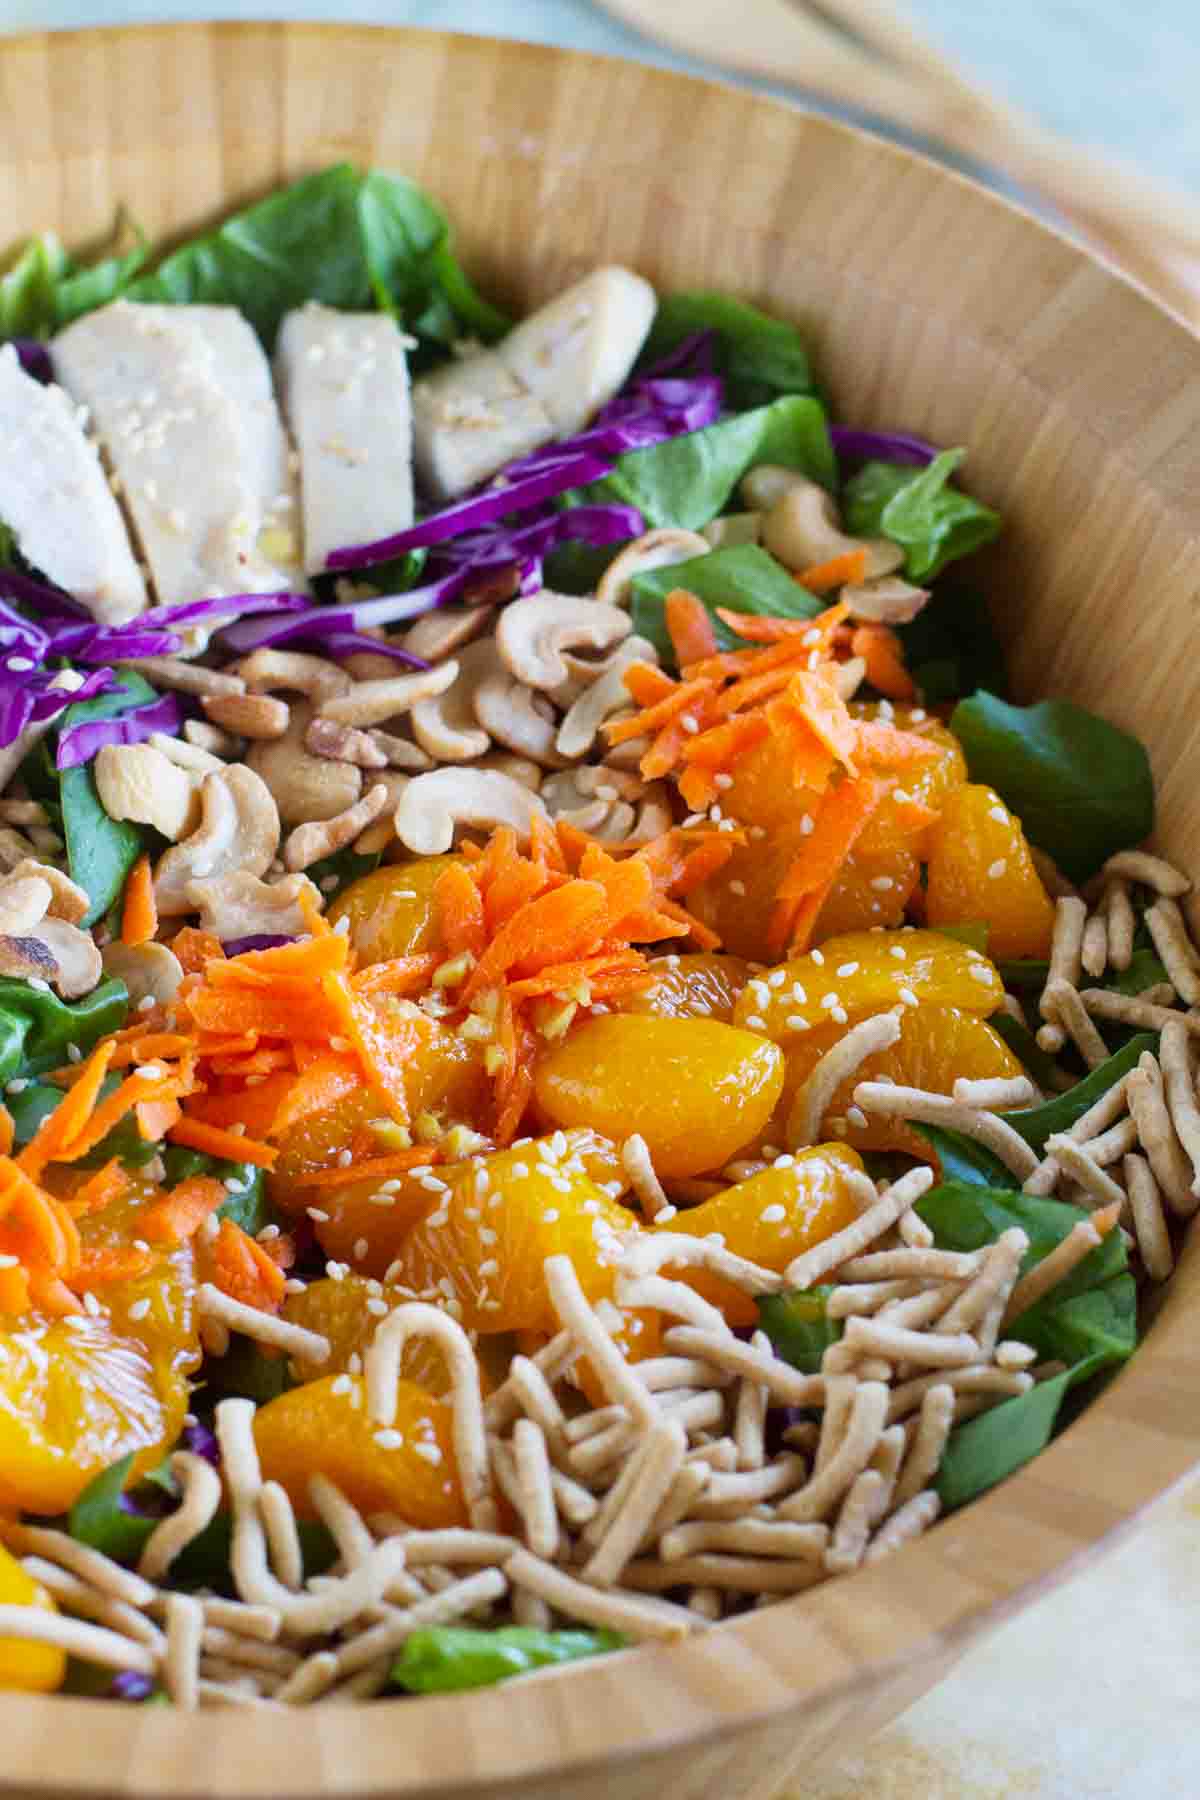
(469, 419)
(343, 380)
(189, 464)
(55, 498)
(576, 351)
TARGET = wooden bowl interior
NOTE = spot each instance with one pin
(927, 305)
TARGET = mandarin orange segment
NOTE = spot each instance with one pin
(922, 785)
(408, 1470)
(739, 900)
(870, 890)
(391, 911)
(483, 1249)
(694, 1089)
(864, 972)
(29, 1667)
(980, 868)
(341, 1311)
(766, 789)
(703, 986)
(937, 1045)
(366, 1222)
(771, 1219)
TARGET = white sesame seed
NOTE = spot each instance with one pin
(999, 813)
(341, 1384)
(74, 1053)
(292, 1286)
(917, 715)
(723, 782)
(785, 1161)
(690, 725)
(772, 1215)
(430, 1452)
(147, 1003)
(756, 1022)
(317, 1215)
(389, 1440)
(850, 968)
(139, 1309)
(797, 1022)
(16, 1086)
(829, 1002)
(980, 974)
(839, 1015)
(807, 825)
(899, 952)
(342, 928)
(91, 1304)
(818, 957)
(882, 884)
(344, 1158)
(377, 1308)
(908, 997)
(268, 1234)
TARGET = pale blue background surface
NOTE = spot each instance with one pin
(1126, 77)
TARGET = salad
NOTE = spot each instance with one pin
(571, 1063)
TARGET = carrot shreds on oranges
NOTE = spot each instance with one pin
(178, 1215)
(139, 914)
(373, 1168)
(244, 1271)
(840, 571)
(195, 948)
(230, 1146)
(880, 649)
(99, 1265)
(689, 627)
(460, 911)
(650, 719)
(98, 1190)
(840, 818)
(399, 975)
(883, 746)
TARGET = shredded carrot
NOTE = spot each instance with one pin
(840, 819)
(56, 1133)
(651, 718)
(14, 1290)
(256, 1107)
(99, 1190)
(880, 649)
(230, 1146)
(328, 1079)
(100, 1265)
(195, 948)
(399, 975)
(139, 914)
(759, 629)
(840, 571)
(6, 1130)
(882, 746)
(299, 962)
(244, 1271)
(689, 627)
(179, 1214)
(819, 703)
(647, 684)
(155, 1118)
(460, 911)
(375, 1168)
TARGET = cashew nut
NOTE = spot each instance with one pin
(25, 957)
(849, 676)
(137, 782)
(382, 832)
(445, 724)
(304, 787)
(67, 899)
(239, 831)
(205, 736)
(309, 843)
(344, 743)
(433, 805)
(519, 767)
(769, 482)
(802, 529)
(532, 634)
(24, 902)
(15, 848)
(609, 803)
(731, 529)
(374, 702)
(240, 905)
(23, 812)
(314, 676)
(78, 960)
(607, 695)
(185, 677)
(249, 715)
(400, 752)
(513, 715)
(657, 549)
(888, 601)
(569, 799)
(443, 631)
(185, 755)
(149, 971)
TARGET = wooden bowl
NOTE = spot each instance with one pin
(929, 305)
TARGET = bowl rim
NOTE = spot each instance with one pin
(931, 1602)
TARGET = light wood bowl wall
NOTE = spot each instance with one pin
(929, 305)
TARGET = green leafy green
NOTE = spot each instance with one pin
(799, 1327)
(951, 647)
(932, 522)
(964, 1160)
(99, 1520)
(1027, 974)
(1081, 786)
(248, 1372)
(82, 290)
(743, 579)
(1098, 1326)
(688, 480)
(1037, 1123)
(1145, 970)
(36, 1027)
(1023, 1044)
(986, 1449)
(576, 567)
(28, 289)
(33, 1106)
(100, 851)
(449, 1659)
(967, 1217)
(759, 357)
(247, 1204)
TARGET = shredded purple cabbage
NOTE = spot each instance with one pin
(201, 1441)
(129, 1685)
(853, 445)
(79, 743)
(263, 940)
(693, 355)
(34, 358)
(27, 697)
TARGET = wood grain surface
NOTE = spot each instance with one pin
(927, 304)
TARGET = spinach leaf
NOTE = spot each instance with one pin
(966, 1217)
(100, 851)
(449, 1659)
(995, 1444)
(246, 1206)
(951, 647)
(965, 1161)
(744, 579)
(932, 522)
(1027, 974)
(1097, 1327)
(759, 357)
(82, 290)
(1037, 1123)
(33, 1106)
(99, 1520)
(1145, 970)
(36, 1027)
(27, 290)
(1022, 1043)
(799, 1327)
(342, 869)
(1081, 786)
(248, 1372)
(688, 480)
(576, 568)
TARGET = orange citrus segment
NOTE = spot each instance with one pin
(29, 1667)
(392, 912)
(980, 869)
(703, 986)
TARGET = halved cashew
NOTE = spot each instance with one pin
(138, 783)
(849, 676)
(569, 798)
(445, 724)
(656, 549)
(263, 671)
(149, 971)
(374, 702)
(443, 631)
(27, 956)
(78, 960)
(206, 736)
(186, 677)
(516, 717)
(304, 786)
(888, 601)
(802, 529)
(433, 805)
(344, 743)
(240, 905)
(185, 755)
(24, 902)
(731, 529)
(519, 767)
(239, 830)
(654, 815)
(607, 695)
(400, 752)
(309, 843)
(255, 716)
(382, 831)
(532, 634)
(67, 899)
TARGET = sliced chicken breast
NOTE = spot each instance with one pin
(55, 497)
(187, 453)
(343, 380)
(469, 419)
(575, 352)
